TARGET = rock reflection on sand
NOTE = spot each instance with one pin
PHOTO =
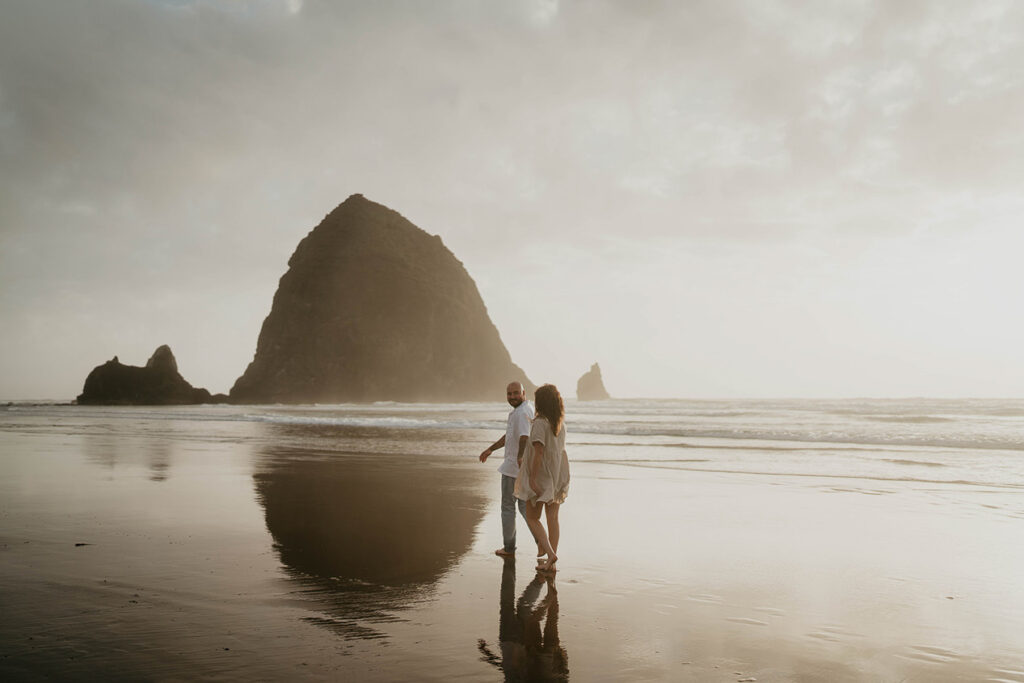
(367, 536)
(109, 451)
(528, 651)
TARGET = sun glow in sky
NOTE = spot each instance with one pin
(728, 199)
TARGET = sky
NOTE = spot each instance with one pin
(722, 199)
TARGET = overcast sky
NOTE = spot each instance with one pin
(711, 199)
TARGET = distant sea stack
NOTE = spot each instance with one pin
(373, 308)
(590, 386)
(159, 383)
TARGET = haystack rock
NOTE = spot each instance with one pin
(373, 308)
(590, 386)
(159, 383)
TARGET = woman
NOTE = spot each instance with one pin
(543, 480)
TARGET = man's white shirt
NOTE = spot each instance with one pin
(519, 422)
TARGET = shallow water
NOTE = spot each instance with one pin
(701, 541)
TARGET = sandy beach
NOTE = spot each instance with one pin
(149, 545)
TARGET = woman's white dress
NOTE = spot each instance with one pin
(553, 474)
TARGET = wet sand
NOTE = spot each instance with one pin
(253, 551)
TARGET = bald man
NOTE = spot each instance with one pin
(517, 433)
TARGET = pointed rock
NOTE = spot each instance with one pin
(373, 308)
(162, 360)
(590, 386)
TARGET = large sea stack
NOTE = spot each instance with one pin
(158, 383)
(373, 308)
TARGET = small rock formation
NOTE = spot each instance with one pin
(156, 384)
(373, 308)
(590, 386)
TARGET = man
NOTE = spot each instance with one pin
(517, 434)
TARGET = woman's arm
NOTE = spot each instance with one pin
(538, 456)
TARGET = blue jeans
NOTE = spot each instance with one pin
(508, 512)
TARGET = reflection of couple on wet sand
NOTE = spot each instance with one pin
(528, 651)
(535, 470)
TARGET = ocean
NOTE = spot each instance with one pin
(859, 539)
(966, 441)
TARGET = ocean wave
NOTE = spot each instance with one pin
(812, 434)
(382, 422)
(972, 441)
(922, 463)
(684, 465)
(912, 419)
(971, 424)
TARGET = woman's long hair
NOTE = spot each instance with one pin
(550, 406)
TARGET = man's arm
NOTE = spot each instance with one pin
(523, 440)
(493, 447)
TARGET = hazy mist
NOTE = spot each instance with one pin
(710, 199)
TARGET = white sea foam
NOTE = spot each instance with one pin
(383, 422)
(963, 443)
(948, 424)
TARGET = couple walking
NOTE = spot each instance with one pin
(535, 471)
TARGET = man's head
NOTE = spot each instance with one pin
(515, 394)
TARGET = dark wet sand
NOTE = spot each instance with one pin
(249, 551)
